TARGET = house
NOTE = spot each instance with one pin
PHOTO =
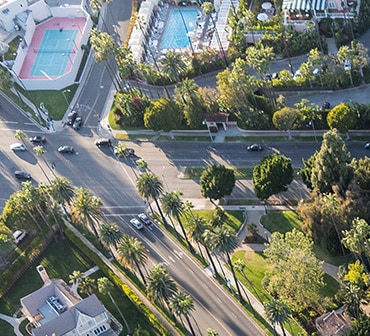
(55, 309)
(334, 323)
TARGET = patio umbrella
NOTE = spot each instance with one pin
(266, 5)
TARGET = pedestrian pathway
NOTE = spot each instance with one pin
(14, 321)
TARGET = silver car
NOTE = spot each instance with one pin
(135, 222)
(17, 147)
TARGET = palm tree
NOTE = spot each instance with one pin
(196, 228)
(211, 332)
(239, 266)
(20, 135)
(225, 242)
(133, 254)
(277, 312)
(87, 285)
(173, 206)
(75, 277)
(105, 287)
(150, 187)
(40, 151)
(183, 304)
(62, 191)
(110, 234)
(173, 65)
(160, 285)
(86, 209)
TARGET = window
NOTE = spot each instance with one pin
(331, 5)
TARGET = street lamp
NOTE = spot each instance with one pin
(204, 122)
(65, 97)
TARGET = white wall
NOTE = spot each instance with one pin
(11, 8)
(40, 11)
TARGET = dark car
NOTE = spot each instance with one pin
(103, 142)
(367, 145)
(38, 139)
(254, 148)
(71, 117)
(325, 106)
(22, 175)
(77, 123)
(66, 149)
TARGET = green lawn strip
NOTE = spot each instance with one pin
(252, 279)
(192, 138)
(59, 259)
(281, 221)
(258, 139)
(234, 218)
(6, 328)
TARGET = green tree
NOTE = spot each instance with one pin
(75, 277)
(259, 56)
(331, 165)
(295, 274)
(342, 117)
(345, 54)
(5, 242)
(110, 234)
(360, 327)
(86, 209)
(173, 206)
(361, 174)
(211, 332)
(87, 285)
(272, 175)
(150, 187)
(173, 65)
(306, 171)
(133, 254)
(105, 287)
(182, 304)
(277, 312)
(287, 119)
(160, 286)
(62, 191)
(164, 114)
(216, 182)
(20, 135)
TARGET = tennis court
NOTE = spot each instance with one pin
(55, 53)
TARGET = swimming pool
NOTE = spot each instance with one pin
(55, 53)
(175, 34)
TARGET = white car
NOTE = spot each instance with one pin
(135, 222)
(17, 147)
(347, 65)
(18, 236)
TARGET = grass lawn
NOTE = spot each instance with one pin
(234, 218)
(59, 260)
(6, 328)
(281, 221)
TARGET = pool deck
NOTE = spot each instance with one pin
(56, 23)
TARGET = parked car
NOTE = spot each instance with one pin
(135, 222)
(145, 219)
(103, 142)
(16, 147)
(38, 139)
(71, 117)
(22, 175)
(66, 149)
(347, 65)
(297, 74)
(367, 145)
(18, 236)
(77, 123)
(255, 148)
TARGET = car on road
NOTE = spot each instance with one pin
(18, 236)
(367, 145)
(255, 148)
(135, 222)
(71, 117)
(38, 139)
(77, 123)
(22, 175)
(103, 142)
(145, 219)
(17, 147)
(66, 149)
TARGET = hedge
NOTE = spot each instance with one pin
(119, 283)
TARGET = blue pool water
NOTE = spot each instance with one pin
(56, 50)
(175, 33)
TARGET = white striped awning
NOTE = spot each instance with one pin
(304, 4)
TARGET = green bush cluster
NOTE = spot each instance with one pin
(118, 282)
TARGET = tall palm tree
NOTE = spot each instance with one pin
(20, 135)
(183, 304)
(225, 242)
(173, 206)
(62, 191)
(150, 187)
(196, 228)
(75, 277)
(173, 65)
(86, 209)
(277, 312)
(133, 254)
(110, 234)
(40, 151)
(105, 287)
(160, 286)
(87, 285)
